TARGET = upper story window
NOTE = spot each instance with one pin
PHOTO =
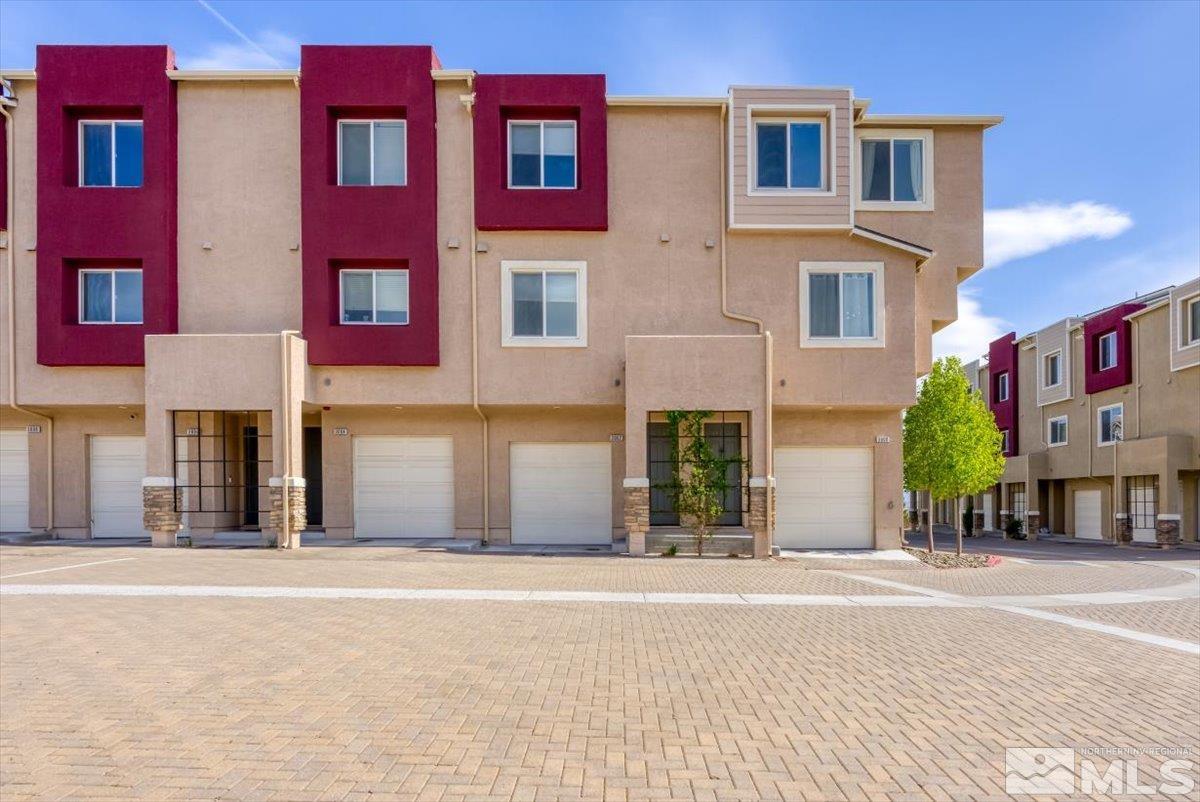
(895, 170)
(1002, 387)
(372, 153)
(110, 296)
(541, 154)
(841, 304)
(544, 304)
(1191, 321)
(1106, 351)
(1052, 369)
(1004, 441)
(378, 297)
(1108, 424)
(1056, 434)
(790, 154)
(110, 153)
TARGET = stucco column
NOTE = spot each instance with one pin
(761, 516)
(637, 514)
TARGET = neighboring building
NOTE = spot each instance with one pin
(435, 303)
(1112, 393)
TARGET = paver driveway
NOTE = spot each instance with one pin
(226, 697)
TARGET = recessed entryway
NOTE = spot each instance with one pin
(561, 493)
(403, 486)
(118, 465)
(14, 480)
(823, 498)
(1088, 516)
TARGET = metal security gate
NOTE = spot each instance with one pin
(728, 437)
(219, 458)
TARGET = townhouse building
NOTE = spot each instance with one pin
(384, 299)
(1101, 419)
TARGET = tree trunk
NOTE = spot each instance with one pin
(929, 523)
(958, 514)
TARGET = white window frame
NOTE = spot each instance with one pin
(1100, 441)
(542, 153)
(879, 340)
(112, 155)
(510, 267)
(112, 289)
(1002, 387)
(1057, 353)
(823, 122)
(374, 271)
(1188, 338)
(1004, 441)
(1100, 351)
(370, 123)
(800, 113)
(1050, 430)
(892, 134)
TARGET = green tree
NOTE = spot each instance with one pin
(700, 476)
(951, 443)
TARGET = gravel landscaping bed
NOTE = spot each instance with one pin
(948, 559)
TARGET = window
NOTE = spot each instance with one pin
(378, 297)
(841, 303)
(790, 154)
(1108, 424)
(1191, 321)
(1052, 369)
(1017, 500)
(1002, 386)
(1106, 351)
(1004, 441)
(895, 170)
(541, 155)
(544, 304)
(1141, 497)
(1057, 434)
(110, 153)
(372, 153)
(110, 296)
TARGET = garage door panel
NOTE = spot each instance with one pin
(403, 486)
(14, 480)
(823, 498)
(561, 493)
(118, 465)
(1087, 514)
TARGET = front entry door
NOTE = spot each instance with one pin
(662, 474)
(250, 472)
(726, 440)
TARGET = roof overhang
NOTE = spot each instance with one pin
(666, 100)
(922, 253)
(233, 75)
(900, 120)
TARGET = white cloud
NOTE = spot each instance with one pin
(267, 51)
(1022, 231)
(967, 338)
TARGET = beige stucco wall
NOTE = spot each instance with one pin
(239, 191)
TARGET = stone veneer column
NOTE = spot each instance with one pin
(977, 530)
(1122, 529)
(637, 515)
(1166, 530)
(1033, 522)
(1005, 519)
(297, 509)
(160, 510)
(761, 517)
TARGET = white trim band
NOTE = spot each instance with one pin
(1169, 516)
(636, 482)
(158, 481)
(293, 481)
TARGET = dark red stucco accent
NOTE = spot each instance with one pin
(1096, 327)
(93, 226)
(1002, 358)
(500, 98)
(384, 225)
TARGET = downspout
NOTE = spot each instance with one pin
(283, 537)
(469, 102)
(8, 100)
(768, 347)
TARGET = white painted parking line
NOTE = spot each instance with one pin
(66, 567)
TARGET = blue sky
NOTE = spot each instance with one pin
(1092, 184)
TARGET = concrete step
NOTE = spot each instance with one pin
(724, 540)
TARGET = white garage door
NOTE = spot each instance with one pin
(823, 498)
(14, 480)
(561, 492)
(1087, 514)
(989, 520)
(403, 487)
(118, 467)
